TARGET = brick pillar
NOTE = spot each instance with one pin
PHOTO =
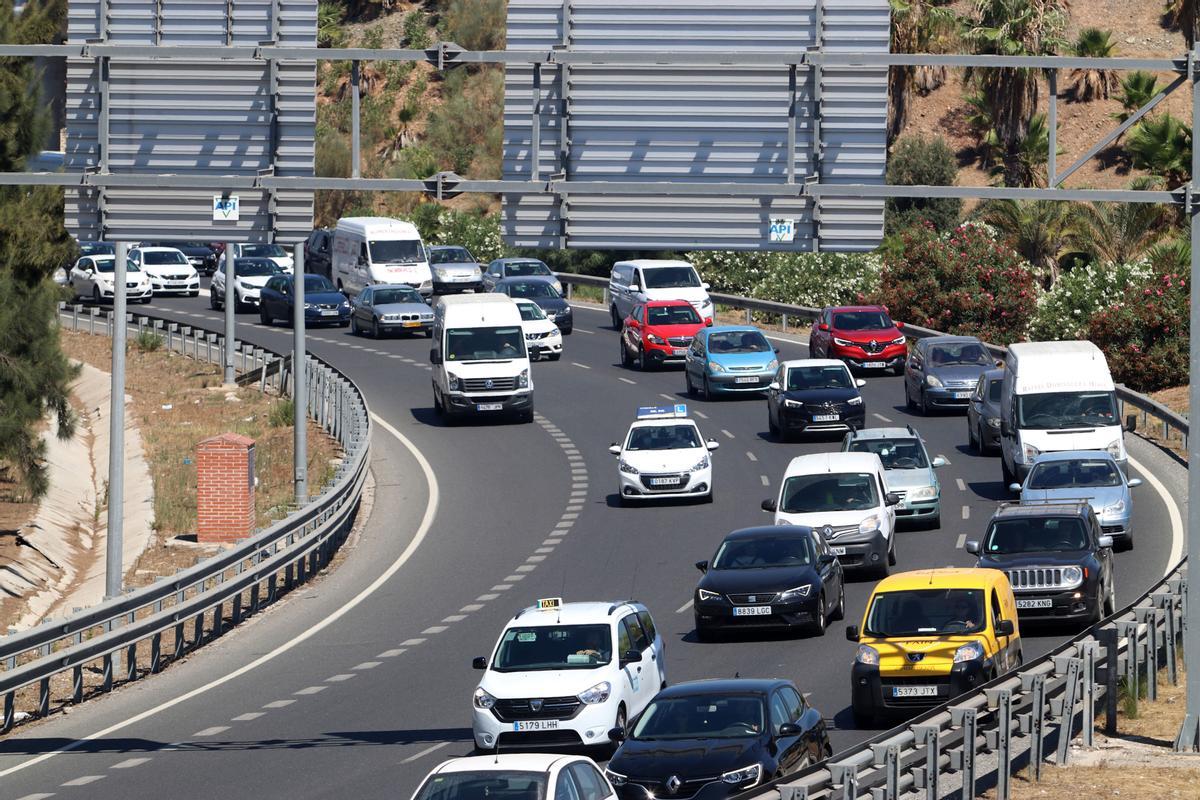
(225, 488)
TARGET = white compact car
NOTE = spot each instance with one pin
(168, 269)
(92, 277)
(845, 497)
(565, 674)
(512, 776)
(664, 455)
(250, 276)
(272, 251)
(542, 337)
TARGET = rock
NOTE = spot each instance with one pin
(1131, 40)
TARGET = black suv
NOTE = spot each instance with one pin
(318, 252)
(1057, 559)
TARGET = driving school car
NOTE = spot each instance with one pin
(665, 456)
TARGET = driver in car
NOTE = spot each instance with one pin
(965, 614)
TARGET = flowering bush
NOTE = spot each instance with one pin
(478, 233)
(1065, 311)
(1145, 334)
(806, 279)
(962, 282)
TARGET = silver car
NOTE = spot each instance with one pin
(907, 469)
(1091, 475)
(942, 371)
(387, 308)
(454, 270)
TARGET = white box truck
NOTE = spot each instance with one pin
(1056, 396)
(371, 250)
(480, 364)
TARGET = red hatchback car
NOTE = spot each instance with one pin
(864, 337)
(659, 332)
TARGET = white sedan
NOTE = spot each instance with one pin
(516, 775)
(271, 251)
(92, 277)
(542, 337)
(168, 269)
(664, 456)
(249, 277)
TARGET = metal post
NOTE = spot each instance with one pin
(354, 134)
(230, 302)
(791, 131)
(299, 393)
(535, 149)
(1004, 745)
(116, 435)
(1052, 124)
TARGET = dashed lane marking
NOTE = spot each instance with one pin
(966, 512)
(393, 652)
(311, 690)
(501, 587)
(700, 414)
(668, 397)
(626, 380)
(962, 487)
(339, 678)
(881, 417)
(213, 731)
(411, 642)
(83, 781)
(514, 578)
(37, 796)
(526, 568)
(536, 559)
(684, 607)
(962, 540)
(751, 456)
(585, 331)
(367, 665)
(455, 618)
(425, 752)
(129, 763)
(486, 598)
(470, 608)
(279, 704)
(248, 716)
(765, 480)
(432, 629)
(545, 550)
(727, 433)
(581, 366)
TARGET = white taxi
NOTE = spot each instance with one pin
(664, 456)
(565, 674)
(542, 337)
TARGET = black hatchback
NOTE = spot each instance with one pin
(774, 576)
(715, 738)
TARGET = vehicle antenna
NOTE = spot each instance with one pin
(736, 674)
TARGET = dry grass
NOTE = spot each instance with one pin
(1129, 783)
(1176, 399)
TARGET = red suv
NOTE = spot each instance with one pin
(659, 332)
(862, 336)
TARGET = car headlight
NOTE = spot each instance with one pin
(971, 651)
(626, 467)
(1072, 576)
(557, 286)
(870, 524)
(773, 365)
(703, 463)
(442, 273)
(483, 699)
(793, 403)
(798, 593)
(249, 287)
(1115, 508)
(654, 339)
(705, 594)
(842, 342)
(924, 493)
(453, 383)
(615, 778)
(1029, 452)
(523, 379)
(1113, 448)
(854, 401)
(934, 381)
(715, 368)
(748, 775)
(309, 307)
(706, 303)
(993, 422)
(867, 655)
(597, 694)
(898, 340)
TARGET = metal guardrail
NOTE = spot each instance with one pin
(1028, 708)
(131, 629)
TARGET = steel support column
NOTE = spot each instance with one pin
(535, 119)
(299, 383)
(230, 376)
(1052, 125)
(114, 542)
(354, 132)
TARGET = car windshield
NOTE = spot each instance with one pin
(1075, 474)
(97, 248)
(861, 321)
(1058, 410)
(545, 647)
(834, 376)
(450, 255)
(737, 342)
(163, 257)
(490, 784)
(672, 315)
(318, 283)
(109, 264)
(249, 267)
(263, 251)
(924, 612)
(713, 716)
(959, 354)
(384, 297)
(670, 277)
(523, 269)
(663, 437)
(764, 552)
(484, 344)
(396, 251)
(532, 289)
(1035, 535)
(993, 390)
(894, 453)
(807, 494)
(531, 311)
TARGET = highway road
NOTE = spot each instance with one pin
(361, 682)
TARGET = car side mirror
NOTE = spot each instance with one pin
(938, 461)
(435, 357)
(899, 325)
(616, 734)
(999, 362)
(631, 657)
(1005, 428)
(1105, 541)
(852, 633)
(825, 559)
(1014, 487)
(892, 499)
(633, 287)
(1134, 482)
(712, 444)
(776, 351)
(774, 386)
(823, 326)
(972, 547)
(702, 565)
(479, 662)
(705, 286)
(1131, 423)
(708, 323)
(860, 382)
(1005, 627)
(768, 505)
(790, 729)
(615, 449)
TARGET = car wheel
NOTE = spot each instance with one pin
(555, 356)
(862, 719)
(1124, 544)
(626, 361)
(924, 404)
(935, 521)
(263, 317)
(687, 378)
(704, 633)
(429, 333)
(771, 426)
(898, 369)
(374, 329)
(96, 295)
(622, 721)
(354, 326)
(1006, 473)
(212, 300)
(812, 351)
(642, 360)
(568, 331)
(616, 318)
(818, 624)
(708, 395)
(840, 611)
(708, 498)
(891, 559)
(908, 401)
(973, 442)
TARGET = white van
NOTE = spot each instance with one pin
(1056, 396)
(370, 250)
(480, 363)
(634, 283)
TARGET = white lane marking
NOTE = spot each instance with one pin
(727, 433)
(499, 587)
(536, 559)
(1172, 512)
(514, 578)
(765, 480)
(485, 598)
(279, 704)
(248, 716)
(544, 550)
(575, 507)
(213, 731)
(311, 690)
(581, 366)
(668, 397)
(751, 456)
(367, 665)
(962, 540)
(700, 414)
(966, 512)
(411, 642)
(962, 487)
(583, 330)
(948, 461)
(83, 781)
(684, 607)
(424, 752)
(471, 607)
(626, 380)
(343, 676)
(130, 762)
(432, 629)
(37, 796)
(527, 568)
(880, 417)
(392, 653)
(455, 618)
(367, 591)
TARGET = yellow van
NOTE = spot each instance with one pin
(930, 635)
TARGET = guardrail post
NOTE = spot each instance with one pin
(1066, 723)
(1108, 640)
(1168, 603)
(930, 737)
(888, 756)
(966, 719)
(847, 776)
(93, 312)
(789, 792)
(75, 317)
(1133, 672)
(107, 672)
(236, 611)
(6, 722)
(1038, 725)
(1089, 693)
(1150, 616)
(1004, 745)
(43, 708)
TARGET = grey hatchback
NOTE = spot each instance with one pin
(386, 308)
(942, 371)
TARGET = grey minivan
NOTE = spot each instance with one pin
(942, 371)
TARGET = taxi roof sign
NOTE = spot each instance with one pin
(548, 603)
(677, 411)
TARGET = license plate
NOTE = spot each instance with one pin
(914, 691)
(961, 395)
(1036, 602)
(329, 312)
(875, 364)
(825, 417)
(746, 379)
(679, 351)
(752, 611)
(663, 481)
(536, 725)
(838, 551)
(489, 406)
(411, 324)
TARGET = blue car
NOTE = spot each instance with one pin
(733, 359)
(323, 303)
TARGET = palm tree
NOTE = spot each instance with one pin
(1041, 231)
(1122, 232)
(1162, 145)
(1182, 14)
(1026, 165)
(918, 26)
(1089, 84)
(1136, 89)
(329, 25)
(1173, 255)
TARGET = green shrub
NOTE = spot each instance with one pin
(919, 162)
(329, 24)
(148, 341)
(1065, 311)
(418, 162)
(373, 38)
(466, 128)
(428, 219)
(806, 279)
(475, 24)
(282, 413)
(964, 282)
(1145, 333)
(478, 233)
(416, 30)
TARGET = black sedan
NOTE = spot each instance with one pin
(542, 292)
(323, 303)
(777, 576)
(716, 738)
(815, 395)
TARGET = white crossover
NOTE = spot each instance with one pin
(664, 455)
(565, 674)
(542, 337)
